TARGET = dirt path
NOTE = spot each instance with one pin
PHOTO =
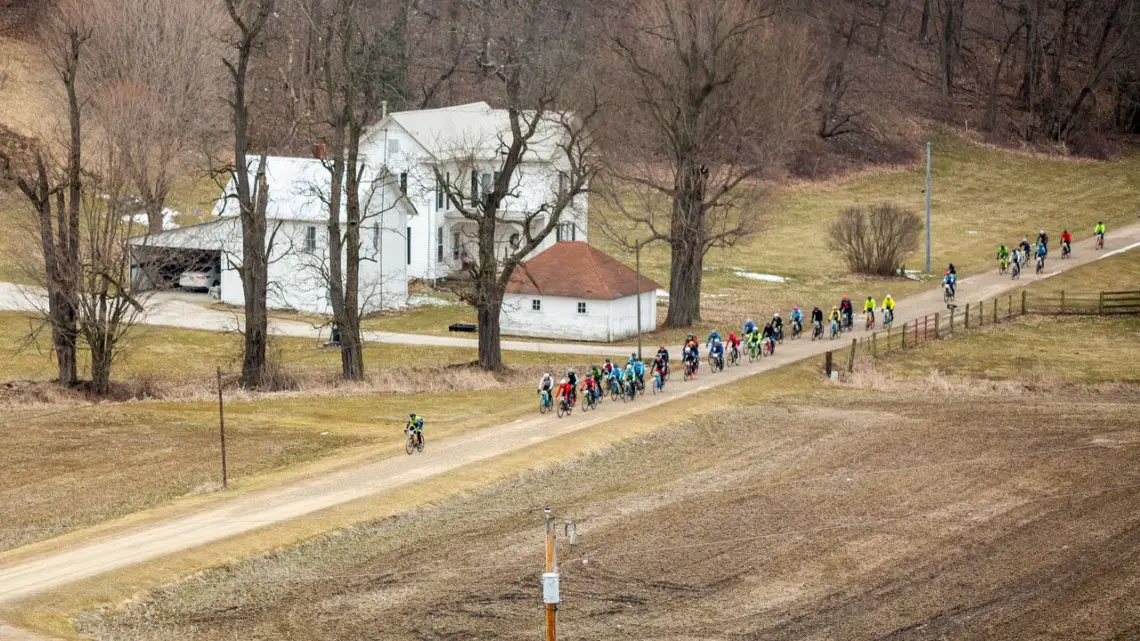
(265, 508)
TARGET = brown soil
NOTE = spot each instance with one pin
(851, 515)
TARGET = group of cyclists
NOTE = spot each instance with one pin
(1013, 260)
(628, 381)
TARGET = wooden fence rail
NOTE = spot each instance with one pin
(975, 315)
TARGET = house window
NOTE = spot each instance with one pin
(404, 182)
(446, 187)
(455, 246)
(486, 183)
(581, 308)
(394, 146)
(474, 188)
(409, 237)
(536, 305)
(439, 244)
(438, 194)
(565, 232)
(311, 238)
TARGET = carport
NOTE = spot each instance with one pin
(157, 260)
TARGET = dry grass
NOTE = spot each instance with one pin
(1118, 273)
(844, 518)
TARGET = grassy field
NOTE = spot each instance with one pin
(890, 503)
(1117, 273)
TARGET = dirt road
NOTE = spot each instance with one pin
(265, 508)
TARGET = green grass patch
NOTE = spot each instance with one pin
(1117, 273)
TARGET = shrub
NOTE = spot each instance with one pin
(875, 241)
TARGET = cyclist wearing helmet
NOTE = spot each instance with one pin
(1043, 239)
(713, 336)
(749, 327)
(847, 311)
(869, 308)
(415, 427)
(546, 383)
(778, 326)
(572, 379)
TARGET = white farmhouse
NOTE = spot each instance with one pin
(297, 237)
(574, 291)
(465, 144)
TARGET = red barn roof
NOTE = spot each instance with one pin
(576, 270)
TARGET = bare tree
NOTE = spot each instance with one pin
(530, 58)
(877, 241)
(249, 18)
(716, 96)
(154, 63)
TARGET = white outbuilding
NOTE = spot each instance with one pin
(297, 239)
(573, 291)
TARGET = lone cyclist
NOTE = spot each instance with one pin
(1098, 231)
(415, 427)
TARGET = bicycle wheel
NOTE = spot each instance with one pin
(410, 446)
(542, 405)
(420, 443)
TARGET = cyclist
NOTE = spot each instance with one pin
(608, 367)
(659, 370)
(888, 308)
(415, 427)
(951, 280)
(1066, 241)
(1003, 255)
(663, 356)
(1026, 250)
(770, 337)
(754, 342)
(734, 343)
(797, 318)
(614, 374)
(713, 336)
(630, 377)
(694, 357)
(817, 320)
(591, 388)
(869, 308)
(638, 368)
(546, 383)
(1042, 250)
(846, 310)
(1098, 231)
(1043, 239)
(777, 327)
(694, 347)
(572, 378)
(717, 352)
(749, 327)
(595, 373)
(566, 391)
(836, 316)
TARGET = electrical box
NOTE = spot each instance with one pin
(550, 587)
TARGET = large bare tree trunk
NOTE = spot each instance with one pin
(490, 341)
(255, 285)
(352, 345)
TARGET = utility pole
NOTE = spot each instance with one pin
(637, 263)
(222, 430)
(550, 579)
(928, 207)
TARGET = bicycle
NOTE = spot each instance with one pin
(888, 318)
(1003, 265)
(834, 329)
(564, 407)
(816, 330)
(689, 370)
(1015, 271)
(753, 351)
(545, 401)
(1100, 241)
(1066, 249)
(797, 329)
(1040, 264)
(947, 293)
(734, 356)
(658, 382)
(870, 320)
(615, 388)
(415, 441)
(591, 400)
(769, 346)
(716, 363)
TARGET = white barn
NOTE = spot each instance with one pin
(576, 292)
(297, 236)
(465, 143)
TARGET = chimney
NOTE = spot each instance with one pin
(321, 151)
(383, 109)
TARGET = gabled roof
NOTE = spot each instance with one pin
(576, 270)
(299, 187)
(475, 130)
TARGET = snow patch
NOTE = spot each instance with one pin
(168, 216)
(972, 231)
(914, 274)
(420, 300)
(767, 278)
(661, 293)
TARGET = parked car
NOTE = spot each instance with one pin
(200, 278)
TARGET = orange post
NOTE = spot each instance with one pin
(551, 564)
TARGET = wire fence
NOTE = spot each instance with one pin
(970, 316)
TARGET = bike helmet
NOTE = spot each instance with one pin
(845, 297)
(795, 308)
(411, 414)
(776, 315)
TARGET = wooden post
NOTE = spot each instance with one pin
(874, 346)
(1024, 306)
(1010, 314)
(1100, 305)
(1062, 301)
(851, 361)
(222, 430)
(926, 327)
(967, 316)
(937, 320)
(902, 341)
(951, 321)
(995, 311)
(551, 564)
(827, 364)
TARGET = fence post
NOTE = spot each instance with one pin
(926, 327)
(902, 342)
(1100, 305)
(951, 321)
(1010, 314)
(1023, 303)
(851, 361)
(827, 364)
(995, 311)
(874, 345)
(937, 319)
(967, 316)
(1062, 301)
